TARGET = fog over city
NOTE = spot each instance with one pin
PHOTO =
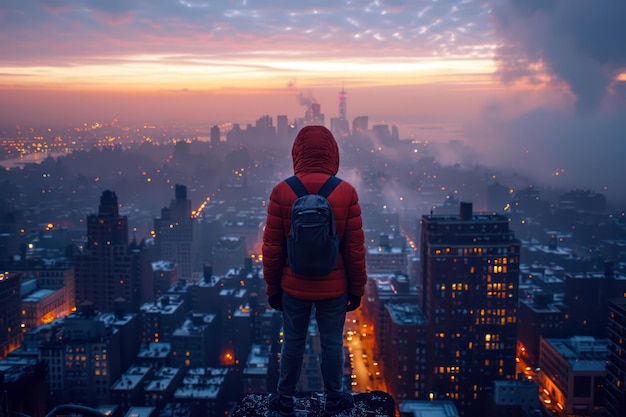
(578, 44)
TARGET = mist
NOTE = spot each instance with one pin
(577, 142)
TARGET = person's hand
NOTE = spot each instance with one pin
(354, 301)
(276, 301)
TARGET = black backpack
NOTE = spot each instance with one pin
(313, 247)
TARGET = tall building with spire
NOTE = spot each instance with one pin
(343, 103)
(469, 280)
(109, 268)
(339, 125)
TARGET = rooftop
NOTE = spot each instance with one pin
(582, 352)
(38, 295)
(428, 408)
(406, 314)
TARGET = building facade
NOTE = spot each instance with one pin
(195, 342)
(573, 371)
(85, 354)
(10, 320)
(615, 392)
(110, 268)
(174, 233)
(469, 277)
(405, 359)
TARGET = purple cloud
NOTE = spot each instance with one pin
(579, 42)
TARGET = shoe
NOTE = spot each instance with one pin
(281, 405)
(335, 406)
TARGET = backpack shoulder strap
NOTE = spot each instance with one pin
(331, 183)
(297, 186)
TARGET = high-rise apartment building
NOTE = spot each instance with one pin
(110, 268)
(174, 232)
(282, 129)
(10, 297)
(312, 115)
(360, 124)
(165, 275)
(340, 127)
(469, 278)
(538, 317)
(615, 384)
(195, 343)
(384, 289)
(86, 352)
(586, 298)
(404, 358)
(161, 318)
(215, 135)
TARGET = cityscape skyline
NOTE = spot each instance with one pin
(538, 88)
(485, 138)
(570, 252)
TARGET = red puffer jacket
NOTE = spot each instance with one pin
(315, 157)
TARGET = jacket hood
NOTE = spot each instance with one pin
(315, 150)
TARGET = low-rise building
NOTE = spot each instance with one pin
(573, 373)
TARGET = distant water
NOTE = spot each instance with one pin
(35, 158)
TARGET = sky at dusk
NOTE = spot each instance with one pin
(535, 85)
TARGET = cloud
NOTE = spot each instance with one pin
(555, 148)
(110, 6)
(576, 141)
(578, 42)
(112, 27)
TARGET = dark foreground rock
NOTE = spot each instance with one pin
(311, 404)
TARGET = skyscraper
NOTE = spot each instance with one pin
(282, 129)
(86, 352)
(343, 104)
(404, 367)
(469, 279)
(110, 268)
(215, 135)
(10, 330)
(340, 125)
(174, 232)
(615, 385)
(312, 114)
(360, 124)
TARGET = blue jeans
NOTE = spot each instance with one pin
(330, 316)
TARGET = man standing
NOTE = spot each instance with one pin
(315, 158)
